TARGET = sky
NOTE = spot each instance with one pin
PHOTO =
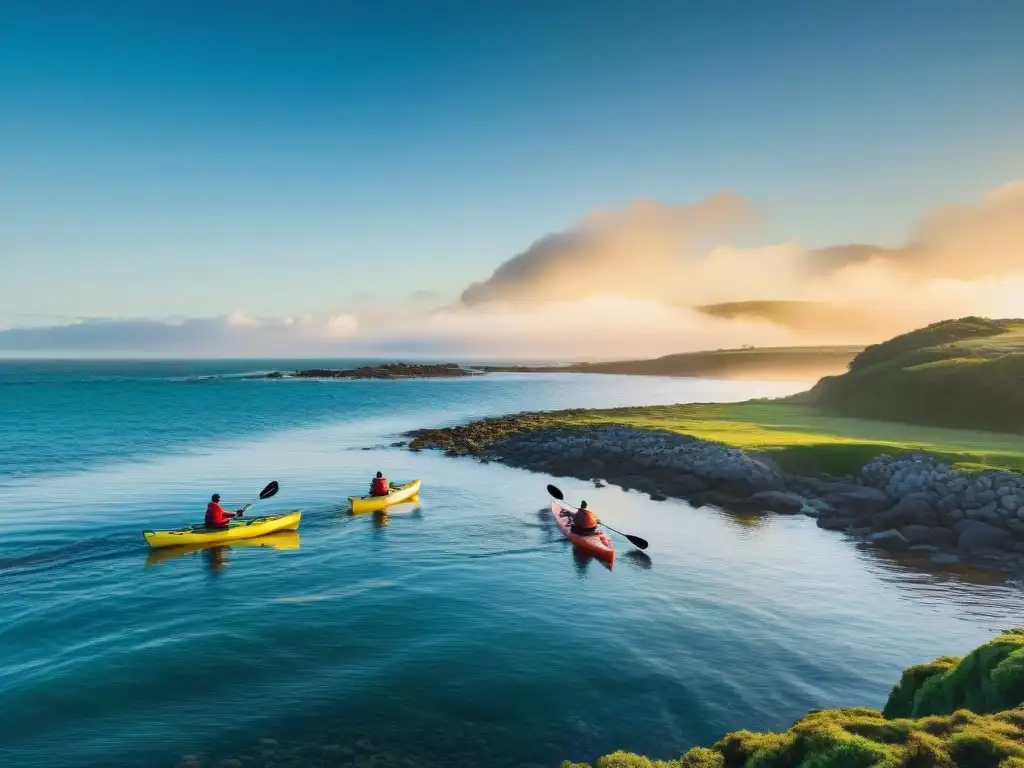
(260, 178)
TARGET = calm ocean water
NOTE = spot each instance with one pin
(461, 631)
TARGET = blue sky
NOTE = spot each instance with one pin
(190, 158)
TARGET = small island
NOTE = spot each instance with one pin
(383, 371)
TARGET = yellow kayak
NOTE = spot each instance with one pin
(375, 503)
(285, 540)
(247, 529)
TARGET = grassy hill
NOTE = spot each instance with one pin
(952, 713)
(966, 373)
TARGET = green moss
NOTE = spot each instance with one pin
(628, 760)
(702, 757)
(949, 736)
(989, 679)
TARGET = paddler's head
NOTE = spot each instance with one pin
(583, 505)
(379, 475)
(215, 497)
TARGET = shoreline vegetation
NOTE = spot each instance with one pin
(951, 713)
(942, 488)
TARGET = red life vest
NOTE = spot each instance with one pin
(216, 515)
(584, 519)
(380, 487)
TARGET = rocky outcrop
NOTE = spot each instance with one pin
(385, 371)
(913, 504)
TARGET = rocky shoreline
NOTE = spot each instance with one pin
(386, 371)
(913, 504)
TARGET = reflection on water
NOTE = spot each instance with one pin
(638, 559)
(215, 552)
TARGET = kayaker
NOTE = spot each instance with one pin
(380, 486)
(217, 516)
(584, 522)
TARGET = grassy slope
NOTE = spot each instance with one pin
(965, 373)
(802, 437)
(927, 725)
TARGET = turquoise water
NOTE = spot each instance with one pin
(460, 631)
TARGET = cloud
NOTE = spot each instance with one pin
(958, 260)
(633, 252)
(646, 280)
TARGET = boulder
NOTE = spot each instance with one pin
(911, 510)
(891, 539)
(857, 500)
(779, 501)
(834, 522)
(923, 534)
(724, 501)
(656, 496)
(975, 535)
(685, 485)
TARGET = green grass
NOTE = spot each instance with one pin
(925, 724)
(966, 373)
(803, 438)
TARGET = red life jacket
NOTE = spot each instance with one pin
(380, 487)
(584, 519)
(216, 515)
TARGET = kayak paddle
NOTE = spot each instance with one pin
(271, 489)
(636, 541)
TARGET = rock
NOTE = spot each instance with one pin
(975, 535)
(926, 548)
(986, 497)
(685, 485)
(834, 523)
(944, 558)
(912, 510)
(724, 501)
(857, 500)
(779, 501)
(656, 496)
(598, 482)
(923, 534)
(1010, 503)
(1016, 527)
(891, 539)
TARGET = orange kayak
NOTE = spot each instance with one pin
(597, 544)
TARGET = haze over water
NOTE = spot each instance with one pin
(462, 632)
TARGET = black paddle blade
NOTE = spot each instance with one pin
(637, 542)
(556, 493)
(270, 490)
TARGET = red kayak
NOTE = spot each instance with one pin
(596, 544)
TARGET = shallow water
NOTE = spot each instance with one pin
(461, 630)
